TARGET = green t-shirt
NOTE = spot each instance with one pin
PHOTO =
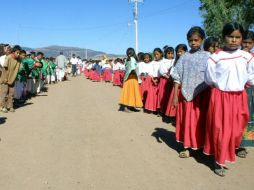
(44, 69)
(22, 72)
(52, 67)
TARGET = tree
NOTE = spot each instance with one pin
(216, 13)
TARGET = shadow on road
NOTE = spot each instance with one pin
(168, 137)
(2, 120)
(171, 120)
(17, 106)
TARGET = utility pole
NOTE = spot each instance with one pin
(135, 14)
(86, 53)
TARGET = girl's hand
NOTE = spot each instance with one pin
(166, 76)
(155, 81)
(175, 101)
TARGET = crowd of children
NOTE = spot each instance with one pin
(23, 75)
(206, 90)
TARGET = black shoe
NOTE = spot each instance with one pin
(121, 108)
(133, 109)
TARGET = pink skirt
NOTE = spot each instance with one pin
(143, 88)
(116, 78)
(227, 118)
(106, 75)
(171, 109)
(89, 73)
(152, 95)
(95, 76)
(86, 72)
(191, 120)
(164, 89)
(122, 73)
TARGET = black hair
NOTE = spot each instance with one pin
(231, 27)
(248, 35)
(196, 30)
(167, 50)
(130, 52)
(16, 48)
(158, 50)
(22, 52)
(140, 56)
(40, 53)
(210, 42)
(181, 46)
(149, 55)
(32, 53)
(165, 47)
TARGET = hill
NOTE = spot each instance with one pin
(53, 51)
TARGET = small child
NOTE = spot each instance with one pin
(106, 71)
(188, 75)
(143, 68)
(211, 44)
(171, 109)
(7, 81)
(247, 45)
(166, 85)
(130, 95)
(116, 71)
(153, 81)
(228, 71)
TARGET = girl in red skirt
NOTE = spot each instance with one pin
(143, 72)
(153, 81)
(166, 84)
(188, 74)
(171, 109)
(228, 71)
(106, 72)
(116, 70)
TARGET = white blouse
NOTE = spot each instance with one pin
(154, 67)
(166, 66)
(230, 70)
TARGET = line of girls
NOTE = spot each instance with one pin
(106, 70)
(206, 89)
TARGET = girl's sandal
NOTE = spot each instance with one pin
(242, 153)
(219, 170)
(184, 154)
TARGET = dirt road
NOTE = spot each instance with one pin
(73, 138)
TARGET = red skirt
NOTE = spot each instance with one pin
(143, 88)
(106, 75)
(171, 110)
(191, 120)
(122, 73)
(86, 72)
(164, 89)
(95, 76)
(152, 95)
(227, 117)
(89, 73)
(116, 78)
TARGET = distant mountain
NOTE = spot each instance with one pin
(53, 51)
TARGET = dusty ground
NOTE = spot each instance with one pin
(73, 138)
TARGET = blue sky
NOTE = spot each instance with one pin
(97, 24)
